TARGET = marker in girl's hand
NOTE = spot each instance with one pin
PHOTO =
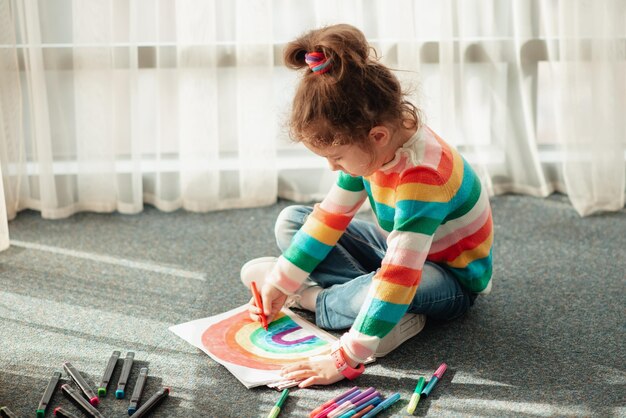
(259, 304)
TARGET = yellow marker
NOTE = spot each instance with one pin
(415, 398)
(276, 409)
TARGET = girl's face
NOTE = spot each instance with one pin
(382, 143)
(350, 159)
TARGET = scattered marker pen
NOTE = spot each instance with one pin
(383, 405)
(328, 403)
(259, 303)
(47, 395)
(138, 390)
(121, 383)
(415, 398)
(433, 380)
(279, 404)
(108, 372)
(80, 401)
(77, 378)
(152, 402)
(62, 413)
(7, 413)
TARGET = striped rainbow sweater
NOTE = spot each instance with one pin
(429, 203)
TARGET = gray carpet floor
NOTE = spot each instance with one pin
(548, 341)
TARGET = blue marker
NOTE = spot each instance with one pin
(383, 405)
(136, 396)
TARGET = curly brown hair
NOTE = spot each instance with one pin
(342, 105)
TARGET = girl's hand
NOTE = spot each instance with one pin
(318, 370)
(273, 300)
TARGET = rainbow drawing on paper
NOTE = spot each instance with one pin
(250, 353)
(244, 342)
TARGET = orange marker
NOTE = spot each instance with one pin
(259, 304)
(363, 412)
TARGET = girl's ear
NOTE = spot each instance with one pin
(379, 135)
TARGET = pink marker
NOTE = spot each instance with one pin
(335, 405)
(328, 403)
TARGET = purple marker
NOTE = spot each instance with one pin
(346, 406)
(367, 399)
(433, 380)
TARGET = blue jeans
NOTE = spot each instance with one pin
(346, 273)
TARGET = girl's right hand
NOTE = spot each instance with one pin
(273, 301)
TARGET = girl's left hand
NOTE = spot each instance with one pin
(318, 370)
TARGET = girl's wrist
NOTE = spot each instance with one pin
(344, 364)
(347, 355)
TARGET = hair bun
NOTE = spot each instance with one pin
(343, 48)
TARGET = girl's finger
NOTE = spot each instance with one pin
(299, 374)
(254, 309)
(296, 366)
(309, 382)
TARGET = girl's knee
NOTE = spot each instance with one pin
(458, 308)
(288, 222)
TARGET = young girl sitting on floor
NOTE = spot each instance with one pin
(429, 254)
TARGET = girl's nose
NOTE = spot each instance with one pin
(333, 166)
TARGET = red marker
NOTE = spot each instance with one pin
(80, 381)
(259, 304)
(80, 401)
(62, 413)
(363, 412)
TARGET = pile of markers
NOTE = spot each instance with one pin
(84, 397)
(356, 403)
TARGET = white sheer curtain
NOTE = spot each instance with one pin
(108, 104)
(164, 102)
(589, 78)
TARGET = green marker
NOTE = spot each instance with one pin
(108, 372)
(415, 398)
(276, 409)
(45, 400)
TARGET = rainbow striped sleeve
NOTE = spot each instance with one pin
(422, 201)
(319, 234)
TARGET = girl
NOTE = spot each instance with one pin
(429, 254)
